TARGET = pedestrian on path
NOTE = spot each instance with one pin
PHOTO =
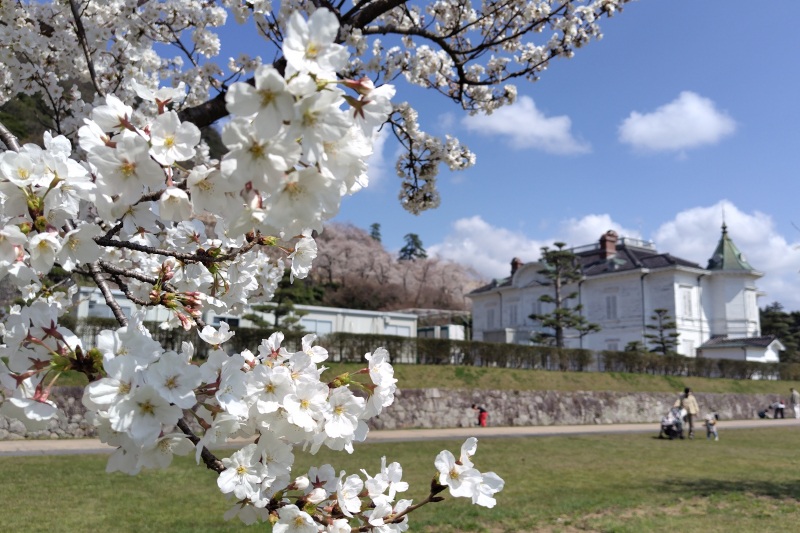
(794, 400)
(687, 401)
(777, 409)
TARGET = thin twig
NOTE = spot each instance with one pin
(81, 34)
(102, 284)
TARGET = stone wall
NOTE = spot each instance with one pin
(430, 408)
(440, 408)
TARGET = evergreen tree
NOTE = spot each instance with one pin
(785, 326)
(561, 269)
(413, 249)
(375, 231)
(664, 337)
(287, 295)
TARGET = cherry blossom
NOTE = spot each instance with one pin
(110, 194)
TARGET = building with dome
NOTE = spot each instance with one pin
(624, 280)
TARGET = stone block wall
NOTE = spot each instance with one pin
(441, 408)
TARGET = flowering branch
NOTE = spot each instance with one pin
(81, 34)
(102, 284)
(211, 461)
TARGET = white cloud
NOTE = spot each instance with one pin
(377, 165)
(485, 248)
(527, 127)
(687, 122)
(489, 250)
(694, 233)
(587, 230)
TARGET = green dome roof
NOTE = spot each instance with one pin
(727, 256)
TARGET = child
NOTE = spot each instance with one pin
(711, 425)
(483, 415)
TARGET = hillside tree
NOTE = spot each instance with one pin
(375, 231)
(561, 271)
(412, 249)
(117, 189)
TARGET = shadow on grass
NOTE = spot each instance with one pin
(705, 487)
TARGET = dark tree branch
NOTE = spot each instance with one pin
(80, 32)
(102, 284)
(211, 460)
(9, 139)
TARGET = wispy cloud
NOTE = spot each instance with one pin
(525, 126)
(687, 122)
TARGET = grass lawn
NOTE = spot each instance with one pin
(475, 377)
(746, 482)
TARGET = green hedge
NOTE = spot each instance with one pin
(351, 347)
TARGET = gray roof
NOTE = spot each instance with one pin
(726, 342)
(627, 258)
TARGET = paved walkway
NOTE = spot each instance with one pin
(90, 446)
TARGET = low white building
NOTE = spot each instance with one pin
(313, 319)
(624, 280)
(454, 332)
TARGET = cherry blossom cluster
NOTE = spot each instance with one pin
(136, 204)
(471, 52)
(124, 193)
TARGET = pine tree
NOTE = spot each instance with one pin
(413, 249)
(375, 231)
(664, 337)
(561, 268)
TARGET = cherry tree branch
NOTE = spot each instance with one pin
(80, 32)
(211, 461)
(9, 139)
(102, 284)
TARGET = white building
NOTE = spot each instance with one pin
(314, 319)
(624, 281)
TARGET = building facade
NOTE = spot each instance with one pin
(312, 318)
(623, 282)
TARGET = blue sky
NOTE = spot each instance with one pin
(685, 110)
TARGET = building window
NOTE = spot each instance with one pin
(490, 319)
(686, 297)
(611, 307)
(400, 331)
(101, 310)
(688, 348)
(536, 309)
(612, 346)
(751, 308)
(319, 327)
(232, 322)
(512, 311)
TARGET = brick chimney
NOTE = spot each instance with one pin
(515, 264)
(608, 244)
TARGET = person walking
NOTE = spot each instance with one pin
(689, 402)
(777, 409)
(794, 400)
(711, 426)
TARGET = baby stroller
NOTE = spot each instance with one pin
(672, 424)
